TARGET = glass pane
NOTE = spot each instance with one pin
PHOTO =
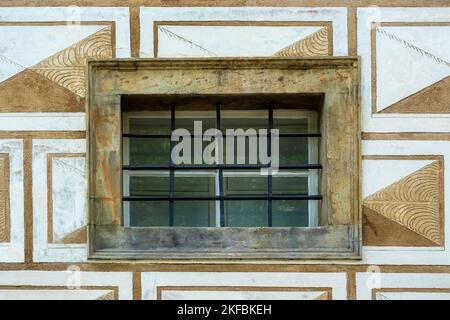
(149, 213)
(290, 213)
(194, 185)
(149, 185)
(157, 125)
(289, 185)
(249, 122)
(246, 213)
(186, 119)
(244, 184)
(293, 150)
(290, 125)
(195, 213)
(151, 151)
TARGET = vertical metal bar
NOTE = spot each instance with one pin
(222, 210)
(269, 176)
(172, 172)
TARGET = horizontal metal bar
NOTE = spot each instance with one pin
(139, 135)
(281, 135)
(225, 197)
(214, 167)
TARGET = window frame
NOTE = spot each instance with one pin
(336, 80)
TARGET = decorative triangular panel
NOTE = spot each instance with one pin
(413, 202)
(408, 60)
(77, 236)
(67, 67)
(28, 91)
(432, 99)
(323, 296)
(316, 44)
(108, 296)
(25, 44)
(381, 296)
(381, 231)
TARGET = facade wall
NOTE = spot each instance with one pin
(405, 106)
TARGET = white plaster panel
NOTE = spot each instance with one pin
(152, 280)
(51, 294)
(394, 122)
(403, 70)
(118, 14)
(68, 195)
(366, 281)
(338, 16)
(70, 278)
(23, 46)
(227, 41)
(239, 295)
(43, 251)
(407, 255)
(14, 250)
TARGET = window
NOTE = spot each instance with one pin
(143, 204)
(236, 194)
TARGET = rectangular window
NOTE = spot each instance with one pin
(146, 204)
(231, 193)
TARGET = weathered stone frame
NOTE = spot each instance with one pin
(338, 237)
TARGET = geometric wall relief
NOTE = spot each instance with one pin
(51, 78)
(403, 286)
(404, 189)
(234, 39)
(5, 224)
(243, 285)
(411, 294)
(243, 293)
(243, 32)
(409, 210)
(411, 67)
(65, 198)
(405, 68)
(11, 201)
(65, 285)
(59, 200)
(56, 293)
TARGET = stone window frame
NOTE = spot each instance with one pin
(336, 79)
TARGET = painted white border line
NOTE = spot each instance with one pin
(49, 121)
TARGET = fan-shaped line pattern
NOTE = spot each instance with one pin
(413, 202)
(316, 44)
(67, 67)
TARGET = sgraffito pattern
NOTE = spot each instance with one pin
(67, 67)
(413, 202)
(315, 44)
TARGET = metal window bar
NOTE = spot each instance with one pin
(224, 197)
(219, 167)
(281, 135)
(216, 167)
(172, 172)
(269, 176)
